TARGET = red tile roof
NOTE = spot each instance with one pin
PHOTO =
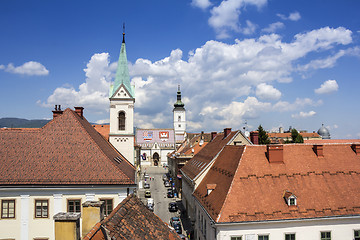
(325, 141)
(67, 150)
(253, 189)
(132, 220)
(193, 167)
(104, 130)
(288, 135)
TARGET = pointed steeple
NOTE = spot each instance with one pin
(179, 103)
(122, 73)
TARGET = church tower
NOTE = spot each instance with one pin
(122, 99)
(179, 118)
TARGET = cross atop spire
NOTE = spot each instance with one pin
(123, 33)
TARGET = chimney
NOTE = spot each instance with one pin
(213, 135)
(210, 188)
(93, 212)
(356, 148)
(67, 226)
(254, 137)
(275, 153)
(57, 112)
(227, 131)
(319, 150)
(79, 111)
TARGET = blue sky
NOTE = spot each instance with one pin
(275, 63)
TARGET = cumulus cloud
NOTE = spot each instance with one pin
(225, 17)
(221, 83)
(273, 27)
(328, 86)
(203, 4)
(30, 68)
(267, 92)
(303, 114)
(294, 16)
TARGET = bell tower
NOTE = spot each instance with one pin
(122, 99)
(179, 118)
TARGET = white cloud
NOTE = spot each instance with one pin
(273, 27)
(30, 68)
(219, 81)
(225, 17)
(328, 86)
(267, 92)
(203, 4)
(303, 114)
(294, 16)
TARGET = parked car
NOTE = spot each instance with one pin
(164, 177)
(177, 227)
(170, 194)
(147, 185)
(150, 207)
(146, 176)
(167, 184)
(174, 220)
(173, 207)
(147, 194)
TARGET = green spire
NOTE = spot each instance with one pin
(179, 103)
(122, 73)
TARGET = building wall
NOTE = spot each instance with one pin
(122, 140)
(187, 198)
(25, 226)
(341, 229)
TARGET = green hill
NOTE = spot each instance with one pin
(22, 123)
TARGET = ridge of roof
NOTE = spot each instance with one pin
(92, 133)
(132, 214)
(324, 186)
(206, 155)
(63, 155)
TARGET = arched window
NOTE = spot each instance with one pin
(121, 120)
(179, 118)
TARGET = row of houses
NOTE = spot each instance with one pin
(233, 189)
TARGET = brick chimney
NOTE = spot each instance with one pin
(227, 131)
(213, 135)
(275, 153)
(319, 150)
(67, 226)
(254, 137)
(57, 112)
(356, 148)
(93, 212)
(79, 111)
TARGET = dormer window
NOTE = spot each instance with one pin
(290, 198)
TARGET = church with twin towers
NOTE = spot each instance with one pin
(150, 146)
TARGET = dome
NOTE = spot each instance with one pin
(324, 132)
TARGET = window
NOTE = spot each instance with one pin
(236, 238)
(8, 208)
(41, 208)
(108, 206)
(74, 205)
(290, 236)
(179, 118)
(121, 120)
(263, 237)
(325, 235)
(292, 201)
(356, 234)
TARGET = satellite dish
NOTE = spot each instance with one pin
(247, 134)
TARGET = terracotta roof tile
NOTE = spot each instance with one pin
(193, 167)
(326, 186)
(104, 130)
(67, 150)
(132, 220)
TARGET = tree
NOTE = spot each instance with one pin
(263, 137)
(296, 136)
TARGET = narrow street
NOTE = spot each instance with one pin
(159, 193)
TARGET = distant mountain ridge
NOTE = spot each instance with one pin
(22, 123)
